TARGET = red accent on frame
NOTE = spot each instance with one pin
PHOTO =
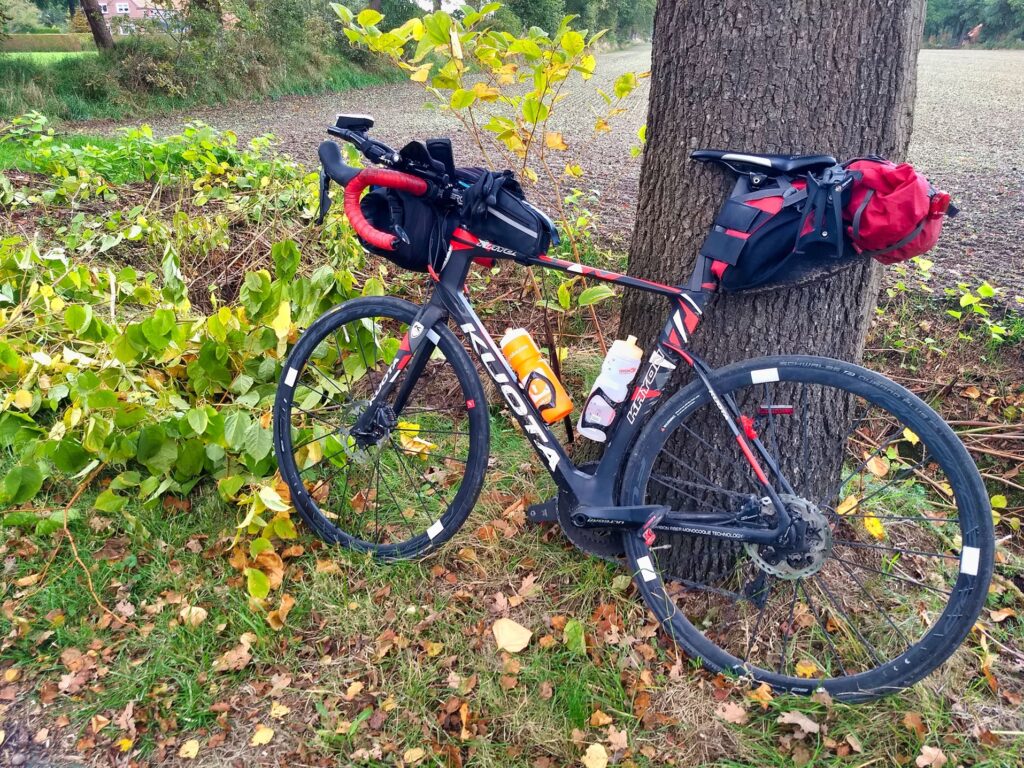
(465, 235)
(690, 318)
(649, 536)
(471, 404)
(484, 261)
(718, 268)
(748, 426)
(648, 394)
(403, 361)
(673, 339)
(749, 455)
(776, 410)
(737, 234)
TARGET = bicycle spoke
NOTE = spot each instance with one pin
(824, 629)
(904, 579)
(788, 626)
(865, 545)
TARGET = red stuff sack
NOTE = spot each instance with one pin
(894, 214)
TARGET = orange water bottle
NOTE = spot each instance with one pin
(546, 392)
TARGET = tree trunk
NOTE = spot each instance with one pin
(797, 76)
(98, 25)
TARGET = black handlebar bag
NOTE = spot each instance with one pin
(423, 231)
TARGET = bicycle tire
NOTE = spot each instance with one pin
(472, 399)
(968, 596)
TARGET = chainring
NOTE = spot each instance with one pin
(603, 543)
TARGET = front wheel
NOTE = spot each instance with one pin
(897, 542)
(394, 474)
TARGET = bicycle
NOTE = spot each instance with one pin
(843, 534)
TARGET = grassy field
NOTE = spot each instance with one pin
(47, 57)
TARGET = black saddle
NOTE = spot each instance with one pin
(769, 165)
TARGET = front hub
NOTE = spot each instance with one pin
(805, 548)
(373, 426)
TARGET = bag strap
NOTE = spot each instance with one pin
(907, 240)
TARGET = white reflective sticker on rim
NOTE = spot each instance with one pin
(290, 377)
(764, 376)
(434, 530)
(647, 571)
(970, 559)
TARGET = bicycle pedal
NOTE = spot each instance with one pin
(544, 512)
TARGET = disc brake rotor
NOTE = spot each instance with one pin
(792, 564)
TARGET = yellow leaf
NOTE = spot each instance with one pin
(124, 744)
(262, 735)
(554, 140)
(189, 749)
(414, 755)
(971, 393)
(407, 436)
(600, 718)
(762, 695)
(806, 668)
(279, 710)
(23, 399)
(420, 74)
(878, 466)
(354, 690)
(596, 756)
(511, 636)
(874, 526)
(911, 437)
(282, 322)
(456, 43)
(434, 649)
(602, 126)
(573, 170)
(847, 505)
(485, 92)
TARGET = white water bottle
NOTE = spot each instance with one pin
(611, 387)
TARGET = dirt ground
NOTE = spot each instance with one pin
(968, 138)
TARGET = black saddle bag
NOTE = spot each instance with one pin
(424, 231)
(777, 230)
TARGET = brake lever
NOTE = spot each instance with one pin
(325, 198)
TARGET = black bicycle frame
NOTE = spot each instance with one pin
(597, 489)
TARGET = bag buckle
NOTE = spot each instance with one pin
(939, 205)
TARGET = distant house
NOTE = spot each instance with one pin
(120, 13)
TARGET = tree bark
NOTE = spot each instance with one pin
(98, 25)
(795, 76)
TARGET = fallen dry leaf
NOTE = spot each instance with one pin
(931, 757)
(192, 615)
(510, 635)
(354, 690)
(599, 719)
(1002, 614)
(238, 657)
(915, 722)
(800, 720)
(732, 712)
(278, 710)
(262, 735)
(189, 749)
(414, 755)
(276, 619)
(617, 740)
(596, 756)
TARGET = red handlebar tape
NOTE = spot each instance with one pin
(379, 177)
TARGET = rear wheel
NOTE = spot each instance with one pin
(898, 548)
(398, 484)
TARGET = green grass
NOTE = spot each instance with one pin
(47, 57)
(81, 87)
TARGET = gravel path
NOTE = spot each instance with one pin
(968, 138)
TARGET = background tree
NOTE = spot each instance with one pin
(19, 16)
(98, 25)
(832, 76)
